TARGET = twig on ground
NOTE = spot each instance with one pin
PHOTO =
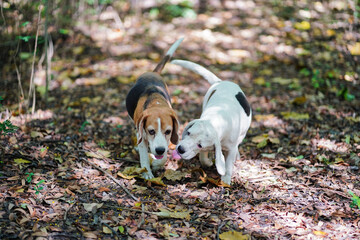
(112, 230)
(142, 216)
(110, 176)
(109, 159)
(219, 229)
(67, 210)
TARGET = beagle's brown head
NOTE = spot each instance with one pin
(154, 122)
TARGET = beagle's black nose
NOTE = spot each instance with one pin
(159, 150)
(180, 149)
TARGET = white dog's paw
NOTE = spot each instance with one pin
(220, 165)
(226, 179)
(148, 175)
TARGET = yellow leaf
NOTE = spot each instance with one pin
(98, 154)
(174, 175)
(304, 25)
(260, 138)
(78, 50)
(157, 181)
(106, 230)
(282, 81)
(85, 100)
(120, 174)
(91, 235)
(262, 144)
(21, 161)
(90, 207)
(35, 134)
(168, 214)
(274, 140)
(260, 118)
(133, 171)
(232, 235)
(320, 233)
(330, 32)
(125, 80)
(295, 115)
(299, 100)
(354, 49)
(259, 81)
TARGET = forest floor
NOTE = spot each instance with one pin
(298, 176)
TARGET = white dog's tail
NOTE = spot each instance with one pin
(209, 76)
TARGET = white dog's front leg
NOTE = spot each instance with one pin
(159, 163)
(229, 163)
(144, 160)
(204, 159)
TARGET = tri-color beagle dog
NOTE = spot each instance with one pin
(225, 119)
(148, 104)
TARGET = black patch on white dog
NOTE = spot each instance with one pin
(243, 102)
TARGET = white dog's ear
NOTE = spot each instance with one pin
(140, 125)
(187, 127)
(219, 158)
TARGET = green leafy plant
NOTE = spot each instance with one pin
(6, 127)
(29, 177)
(344, 93)
(355, 200)
(83, 125)
(38, 188)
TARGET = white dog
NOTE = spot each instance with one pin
(225, 119)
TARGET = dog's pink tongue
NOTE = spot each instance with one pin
(176, 155)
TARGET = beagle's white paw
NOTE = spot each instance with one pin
(148, 175)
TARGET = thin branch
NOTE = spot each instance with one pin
(31, 88)
(110, 176)
(2, 13)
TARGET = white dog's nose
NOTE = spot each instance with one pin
(180, 149)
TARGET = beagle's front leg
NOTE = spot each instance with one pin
(204, 159)
(159, 163)
(229, 165)
(144, 160)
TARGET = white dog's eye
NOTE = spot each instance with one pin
(151, 132)
(199, 145)
(167, 132)
(188, 133)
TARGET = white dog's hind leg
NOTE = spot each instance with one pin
(204, 159)
(229, 163)
(159, 163)
(144, 160)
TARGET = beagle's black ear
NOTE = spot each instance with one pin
(140, 128)
(174, 136)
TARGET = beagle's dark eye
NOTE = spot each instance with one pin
(199, 145)
(167, 132)
(151, 132)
